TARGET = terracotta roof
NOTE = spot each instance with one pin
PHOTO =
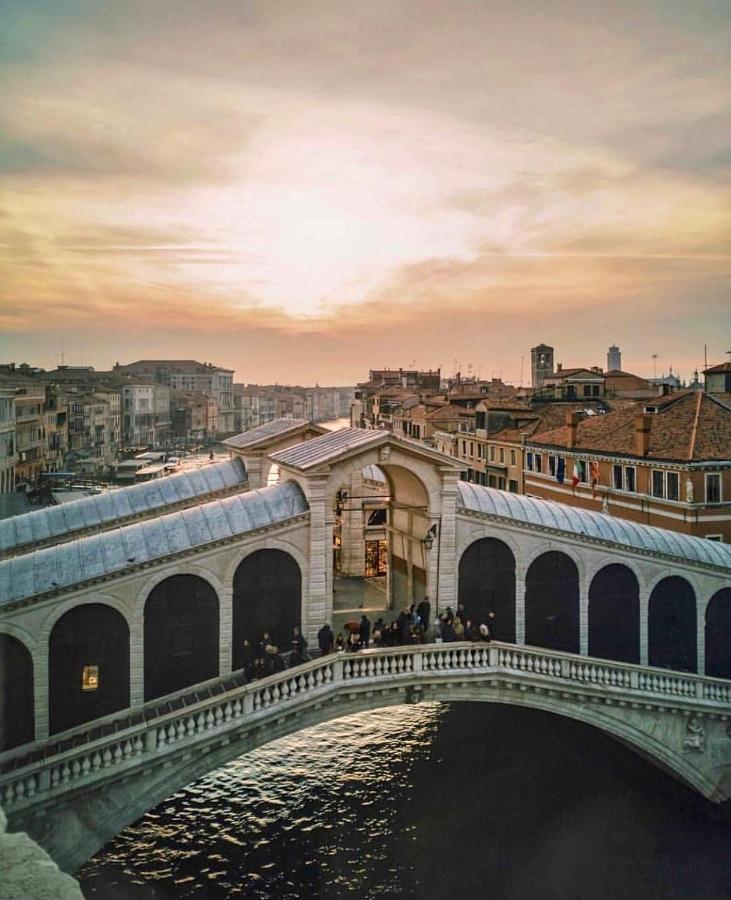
(692, 426)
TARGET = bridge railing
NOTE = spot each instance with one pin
(241, 707)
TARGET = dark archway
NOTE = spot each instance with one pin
(88, 666)
(718, 635)
(16, 693)
(487, 584)
(181, 635)
(671, 625)
(614, 614)
(552, 602)
(267, 597)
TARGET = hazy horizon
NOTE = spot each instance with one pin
(304, 191)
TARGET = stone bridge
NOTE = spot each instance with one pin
(74, 798)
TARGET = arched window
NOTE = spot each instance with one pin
(614, 614)
(718, 635)
(181, 635)
(16, 693)
(671, 625)
(487, 584)
(88, 666)
(267, 597)
(552, 602)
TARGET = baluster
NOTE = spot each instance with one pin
(96, 763)
(85, 766)
(139, 745)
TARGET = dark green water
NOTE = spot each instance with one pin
(428, 801)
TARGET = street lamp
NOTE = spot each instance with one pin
(428, 539)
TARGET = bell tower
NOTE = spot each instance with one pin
(541, 358)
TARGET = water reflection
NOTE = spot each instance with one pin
(426, 801)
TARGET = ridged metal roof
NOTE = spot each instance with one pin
(97, 555)
(531, 510)
(134, 500)
(323, 449)
(275, 428)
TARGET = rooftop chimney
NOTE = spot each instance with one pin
(572, 423)
(643, 423)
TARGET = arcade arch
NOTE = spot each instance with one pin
(181, 635)
(88, 666)
(718, 634)
(267, 596)
(552, 602)
(614, 614)
(16, 693)
(487, 584)
(671, 625)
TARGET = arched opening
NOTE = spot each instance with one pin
(718, 635)
(267, 596)
(552, 602)
(360, 541)
(88, 666)
(671, 625)
(16, 693)
(487, 584)
(181, 635)
(614, 614)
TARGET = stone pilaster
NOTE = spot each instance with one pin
(701, 634)
(446, 543)
(40, 692)
(317, 603)
(137, 664)
(225, 631)
(583, 616)
(257, 470)
(644, 615)
(520, 603)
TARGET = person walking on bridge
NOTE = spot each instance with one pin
(325, 639)
(364, 632)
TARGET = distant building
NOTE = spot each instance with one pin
(7, 440)
(191, 375)
(541, 365)
(614, 358)
(665, 462)
(718, 379)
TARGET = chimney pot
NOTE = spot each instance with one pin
(643, 423)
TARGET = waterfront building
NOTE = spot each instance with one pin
(7, 439)
(666, 462)
(193, 376)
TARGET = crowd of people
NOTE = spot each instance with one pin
(411, 626)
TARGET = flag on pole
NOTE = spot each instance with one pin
(594, 468)
(575, 478)
(560, 469)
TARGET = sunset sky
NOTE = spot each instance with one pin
(304, 190)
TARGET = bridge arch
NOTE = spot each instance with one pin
(718, 634)
(487, 584)
(88, 665)
(267, 596)
(183, 567)
(672, 625)
(123, 806)
(552, 602)
(17, 708)
(614, 614)
(181, 634)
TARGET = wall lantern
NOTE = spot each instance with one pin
(428, 539)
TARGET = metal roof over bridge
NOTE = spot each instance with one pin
(277, 428)
(111, 552)
(123, 503)
(582, 522)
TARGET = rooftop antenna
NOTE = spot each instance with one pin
(62, 357)
(522, 358)
(654, 365)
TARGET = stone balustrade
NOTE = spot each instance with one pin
(258, 703)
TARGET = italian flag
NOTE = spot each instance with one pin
(575, 477)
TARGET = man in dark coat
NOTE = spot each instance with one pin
(424, 611)
(364, 632)
(299, 647)
(325, 639)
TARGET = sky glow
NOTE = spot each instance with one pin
(301, 191)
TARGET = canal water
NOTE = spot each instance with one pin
(427, 801)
